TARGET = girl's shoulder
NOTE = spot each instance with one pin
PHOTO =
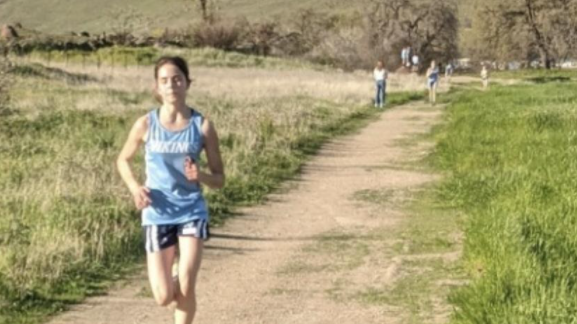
(143, 121)
(197, 117)
(140, 127)
(208, 128)
(147, 119)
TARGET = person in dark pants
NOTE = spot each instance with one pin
(380, 74)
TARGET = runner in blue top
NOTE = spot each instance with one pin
(174, 211)
(433, 81)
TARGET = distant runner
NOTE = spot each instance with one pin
(433, 81)
(449, 69)
(485, 77)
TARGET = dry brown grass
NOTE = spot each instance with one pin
(252, 84)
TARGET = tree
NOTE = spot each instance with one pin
(430, 27)
(526, 29)
(208, 10)
(204, 9)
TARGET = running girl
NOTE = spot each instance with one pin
(174, 211)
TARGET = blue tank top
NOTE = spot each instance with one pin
(175, 200)
(434, 76)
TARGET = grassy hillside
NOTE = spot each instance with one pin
(83, 15)
(62, 16)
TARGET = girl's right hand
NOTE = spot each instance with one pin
(141, 197)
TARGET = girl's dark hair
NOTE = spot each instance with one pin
(177, 61)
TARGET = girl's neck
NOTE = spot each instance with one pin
(172, 110)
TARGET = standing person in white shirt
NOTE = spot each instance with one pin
(485, 77)
(449, 72)
(415, 61)
(380, 74)
(406, 56)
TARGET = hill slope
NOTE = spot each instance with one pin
(62, 16)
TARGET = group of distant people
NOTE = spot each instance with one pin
(380, 75)
(410, 59)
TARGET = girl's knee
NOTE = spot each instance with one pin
(163, 297)
(187, 287)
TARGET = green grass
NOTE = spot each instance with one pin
(422, 242)
(346, 251)
(381, 197)
(433, 227)
(67, 223)
(333, 252)
(538, 75)
(510, 160)
(298, 267)
(410, 292)
(147, 56)
(414, 291)
(52, 236)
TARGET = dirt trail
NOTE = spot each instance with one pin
(311, 253)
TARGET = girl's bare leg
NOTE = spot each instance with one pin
(188, 267)
(160, 275)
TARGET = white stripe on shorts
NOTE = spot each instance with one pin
(204, 230)
(154, 239)
(148, 241)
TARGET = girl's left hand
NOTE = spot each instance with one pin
(190, 169)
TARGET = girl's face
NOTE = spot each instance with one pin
(171, 84)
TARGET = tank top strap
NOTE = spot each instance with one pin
(197, 121)
(151, 125)
(153, 129)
